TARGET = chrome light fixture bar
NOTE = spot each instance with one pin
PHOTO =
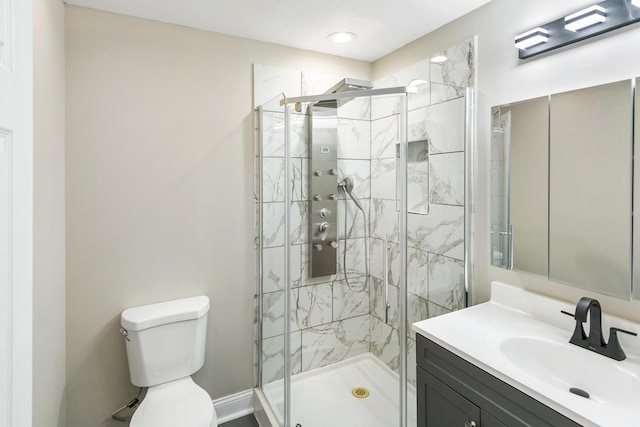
(585, 18)
(532, 38)
(593, 21)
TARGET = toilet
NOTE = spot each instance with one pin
(165, 346)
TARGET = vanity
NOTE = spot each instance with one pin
(508, 362)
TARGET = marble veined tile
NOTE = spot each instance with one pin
(418, 272)
(328, 344)
(312, 305)
(443, 125)
(273, 223)
(458, 69)
(299, 222)
(385, 343)
(354, 138)
(272, 314)
(376, 260)
(418, 177)
(411, 361)
(385, 106)
(384, 137)
(383, 179)
(360, 173)
(273, 357)
(355, 258)
(446, 282)
(269, 83)
(442, 93)
(384, 219)
(376, 302)
(273, 267)
(273, 188)
(355, 219)
(447, 179)
(357, 108)
(273, 133)
(350, 300)
(440, 232)
(419, 309)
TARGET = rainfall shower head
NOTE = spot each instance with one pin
(345, 85)
(350, 85)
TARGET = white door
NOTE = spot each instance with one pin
(16, 205)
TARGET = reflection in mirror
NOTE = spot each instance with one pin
(561, 188)
(519, 185)
(590, 188)
(636, 198)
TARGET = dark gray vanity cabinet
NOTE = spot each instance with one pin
(452, 392)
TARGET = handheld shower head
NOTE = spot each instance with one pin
(347, 185)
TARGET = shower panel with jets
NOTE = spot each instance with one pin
(341, 256)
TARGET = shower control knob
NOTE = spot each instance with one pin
(324, 227)
(317, 198)
(334, 244)
(325, 213)
(333, 196)
(334, 172)
(317, 173)
(318, 246)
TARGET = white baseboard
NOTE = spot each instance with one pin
(234, 406)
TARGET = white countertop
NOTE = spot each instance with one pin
(476, 333)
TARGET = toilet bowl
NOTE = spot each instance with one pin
(165, 345)
(175, 404)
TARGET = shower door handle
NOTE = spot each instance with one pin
(385, 266)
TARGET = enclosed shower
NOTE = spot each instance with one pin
(361, 199)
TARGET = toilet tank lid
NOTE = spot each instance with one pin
(148, 316)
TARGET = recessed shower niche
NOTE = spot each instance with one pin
(394, 263)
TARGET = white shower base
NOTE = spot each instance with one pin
(322, 397)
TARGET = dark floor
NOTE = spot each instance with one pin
(246, 421)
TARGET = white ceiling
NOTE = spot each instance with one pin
(381, 25)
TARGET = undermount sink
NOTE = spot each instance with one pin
(569, 367)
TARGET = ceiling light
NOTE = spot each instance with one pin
(531, 38)
(439, 59)
(585, 18)
(341, 37)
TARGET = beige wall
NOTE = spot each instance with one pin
(49, 210)
(504, 78)
(160, 192)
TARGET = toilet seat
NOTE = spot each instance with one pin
(180, 403)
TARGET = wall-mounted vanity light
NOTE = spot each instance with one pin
(532, 38)
(605, 16)
(585, 18)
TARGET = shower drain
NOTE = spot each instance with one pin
(360, 392)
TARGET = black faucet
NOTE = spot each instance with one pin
(595, 341)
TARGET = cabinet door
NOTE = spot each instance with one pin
(439, 405)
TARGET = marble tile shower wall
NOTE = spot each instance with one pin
(329, 318)
(332, 321)
(435, 198)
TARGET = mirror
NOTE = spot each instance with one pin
(520, 139)
(561, 186)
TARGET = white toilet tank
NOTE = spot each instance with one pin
(165, 341)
